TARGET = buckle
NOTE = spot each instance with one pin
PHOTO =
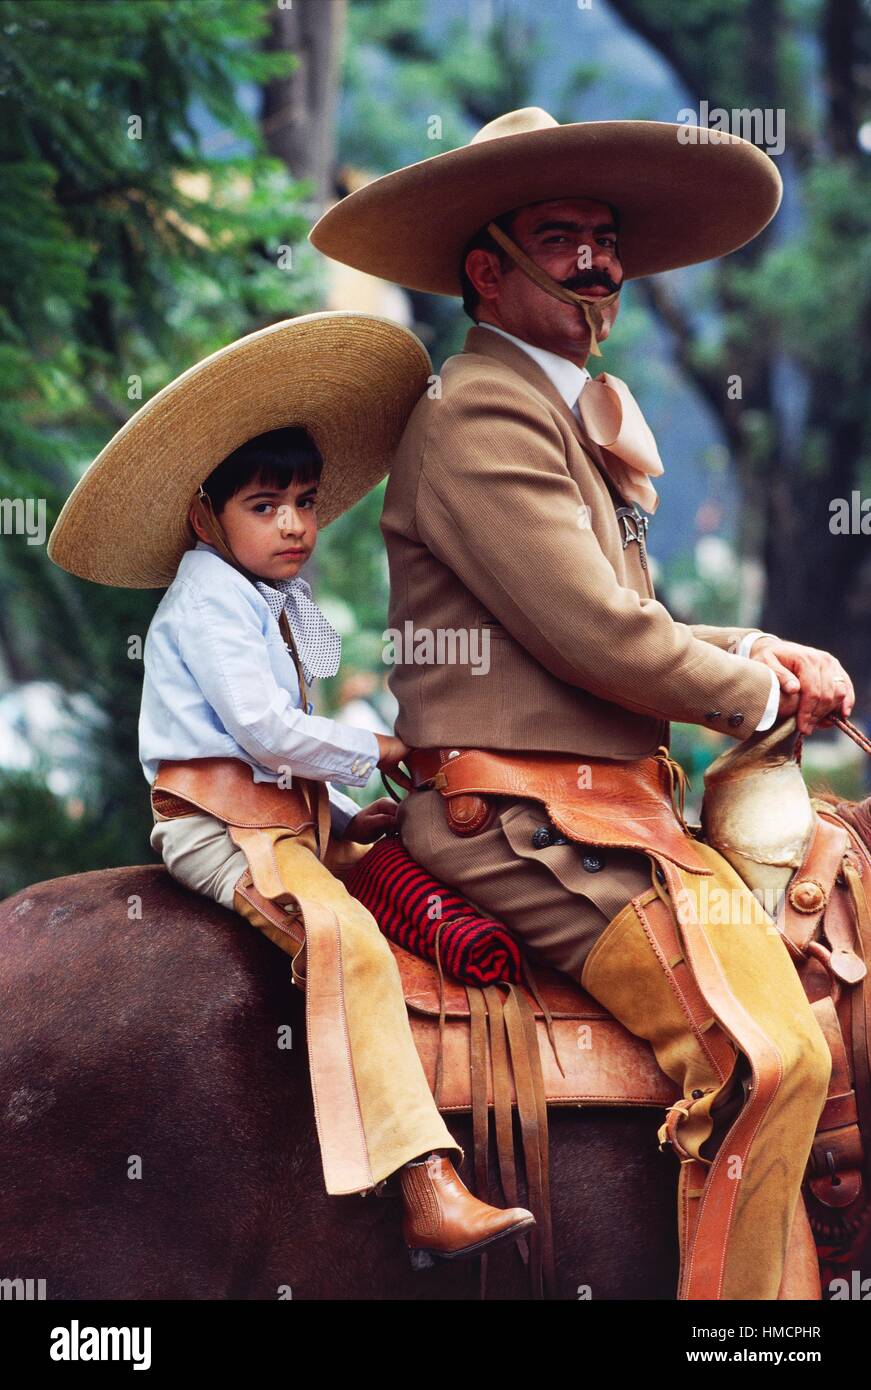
(634, 524)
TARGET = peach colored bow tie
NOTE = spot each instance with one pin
(612, 418)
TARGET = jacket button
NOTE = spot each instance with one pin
(735, 719)
(541, 837)
(714, 714)
(593, 863)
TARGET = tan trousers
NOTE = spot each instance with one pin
(391, 1110)
(741, 1210)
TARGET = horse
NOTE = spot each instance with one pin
(158, 1138)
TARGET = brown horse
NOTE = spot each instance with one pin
(158, 1138)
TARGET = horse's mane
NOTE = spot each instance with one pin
(856, 813)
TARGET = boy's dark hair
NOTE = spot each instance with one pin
(275, 459)
(483, 241)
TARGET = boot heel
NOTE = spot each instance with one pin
(421, 1259)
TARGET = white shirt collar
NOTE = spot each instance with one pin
(273, 593)
(568, 378)
(318, 642)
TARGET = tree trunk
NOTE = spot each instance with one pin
(298, 112)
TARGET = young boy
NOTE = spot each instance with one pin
(212, 488)
(263, 496)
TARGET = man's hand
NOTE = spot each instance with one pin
(813, 684)
(372, 822)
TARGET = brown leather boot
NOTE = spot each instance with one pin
(442, 1219)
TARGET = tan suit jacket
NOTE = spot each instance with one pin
(499, 520)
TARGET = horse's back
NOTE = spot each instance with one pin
(158, 1138)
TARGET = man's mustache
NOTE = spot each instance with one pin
(579, 283)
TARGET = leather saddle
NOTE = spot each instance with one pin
(593, 1060)
(549, 1043)
(503, 1047)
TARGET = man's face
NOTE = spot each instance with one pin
(271, 531)
(553, 234)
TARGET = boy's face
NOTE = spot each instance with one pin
(271, 531)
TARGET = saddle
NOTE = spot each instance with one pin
(525, 1047)
(758, 813)
(545, 1042)
(550, 1043)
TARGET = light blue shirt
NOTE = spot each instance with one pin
(570, 380)
(220, 683)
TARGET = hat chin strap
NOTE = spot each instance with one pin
(592, 307)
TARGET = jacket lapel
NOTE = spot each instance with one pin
(482, 340)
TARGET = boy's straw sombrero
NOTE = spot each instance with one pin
(350, 379)
(684, 194)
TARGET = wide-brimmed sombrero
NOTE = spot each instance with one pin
(350, 379)
(684, 194)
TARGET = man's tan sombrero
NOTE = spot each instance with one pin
(350, 379)
(683, 193)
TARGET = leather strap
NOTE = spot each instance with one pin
(531, 1033)
(425, 763)
(512, 1017)
(287, 924)
(808, 894)
(702, 1272)
(502, 1107)
(848, 917)
(836, 1157)
(860, 1007)
(532, 1110)
(440, 1058)
(478, 1061)
(503, 1112)
(626, 805)
(225, 788)
(318, 801)
(480, 1110)
(661, 931)
(344, 1153)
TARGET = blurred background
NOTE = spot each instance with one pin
(162, 163)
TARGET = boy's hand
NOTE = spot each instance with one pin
(372, 822)
(393, 751)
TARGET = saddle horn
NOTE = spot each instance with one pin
(757, 810)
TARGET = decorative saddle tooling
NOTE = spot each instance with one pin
(500, 1037)
(548, 1042)
(816, 851)
(603, 1064)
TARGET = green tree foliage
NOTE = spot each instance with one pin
(130, 246)
(794, 306)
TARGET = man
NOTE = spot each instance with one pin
(508, 517)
